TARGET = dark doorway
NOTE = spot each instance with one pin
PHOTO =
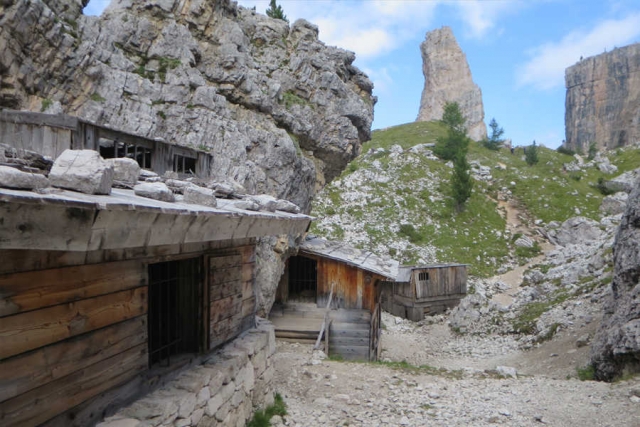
(174, 311)
(303, 279)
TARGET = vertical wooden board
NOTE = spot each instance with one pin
(21, 292)
(27, 331)
(43, 403)
(248, 254)
(33, 369)
(25, 138)
(248, 306)
(63, 141)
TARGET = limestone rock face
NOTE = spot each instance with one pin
(603, 100)
(616, 346)
(280, 112)
(447, 78)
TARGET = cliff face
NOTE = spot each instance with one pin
(281, 112)
(447, 78)
(616, 347)
(603, 100)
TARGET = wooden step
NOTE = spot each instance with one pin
(348, 341)
(349, 333)
(350, 352)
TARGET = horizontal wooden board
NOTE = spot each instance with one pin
(224, 275)
(224, 290)
(43, 403)
(27, 371)
(27, 331)
(222, 262)
(225, 308)
(223, 331)
(21, 292)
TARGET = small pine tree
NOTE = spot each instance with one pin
(532, 154)
(461, 181)
(593, 150)
(275, 11)
(456, 138)
(495, 140)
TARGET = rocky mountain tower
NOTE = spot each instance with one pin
(447, 77)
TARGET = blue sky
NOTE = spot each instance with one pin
(517, 50)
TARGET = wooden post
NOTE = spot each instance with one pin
(326, 315)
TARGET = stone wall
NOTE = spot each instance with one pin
(222, 391)
(603, 100)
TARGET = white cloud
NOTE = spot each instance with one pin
(482, 16)
(545, 69)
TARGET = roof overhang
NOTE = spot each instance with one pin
(70, 221)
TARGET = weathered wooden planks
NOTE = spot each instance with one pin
(21, 292)
(27, 371)
(40, 404)
(225, 296)
(33, 329)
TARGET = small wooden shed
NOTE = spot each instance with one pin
(424, 290)
(351, 277)
(103, 297)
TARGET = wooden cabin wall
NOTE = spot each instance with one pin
(68, 335)
(351, 290)
(232, 301)
(442, 281)
(46, 140)
(72, 334)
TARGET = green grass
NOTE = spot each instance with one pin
(261, 418)
(415, 207)
(586, 373)
(97, 97)
(526, 321)
(46, 103)
(289, 99)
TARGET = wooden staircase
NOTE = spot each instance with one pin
(348, 333)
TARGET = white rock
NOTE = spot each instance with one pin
(14, 178)
(154, 190)
(82, 170)
(200, 196)
(125, 170)
(265, 202)
(507, 371)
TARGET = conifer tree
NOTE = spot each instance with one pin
(456, 137)
(275, 11)
(532, 154)
(495, 140)
(461, 181)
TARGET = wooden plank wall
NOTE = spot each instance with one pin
(352, 290)
(46, 140)
(443, 281)
(67, 335)
(231, 295)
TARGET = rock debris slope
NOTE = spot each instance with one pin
(603, 100)
(447, 78)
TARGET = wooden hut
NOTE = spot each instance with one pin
(103, 297)
(344, 279)
(424, 290)
(51, 134)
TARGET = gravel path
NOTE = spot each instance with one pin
(462, 390)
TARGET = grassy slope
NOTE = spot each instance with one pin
(408, 216)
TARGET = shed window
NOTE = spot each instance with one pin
(423, 276)
(174, 312)
(114, 149)
(184, 164)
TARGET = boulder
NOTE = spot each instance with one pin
(616, 346)
(154, 190)
(614, 204)
(286, 206)
(14, 178)
(577, 230)
(125, 171)
(82, 170)
(200, 196)
(524, 242)
(266, 202)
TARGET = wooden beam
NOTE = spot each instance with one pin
(27, 331)
(43, 403)
(30, 370)
(36, 289)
